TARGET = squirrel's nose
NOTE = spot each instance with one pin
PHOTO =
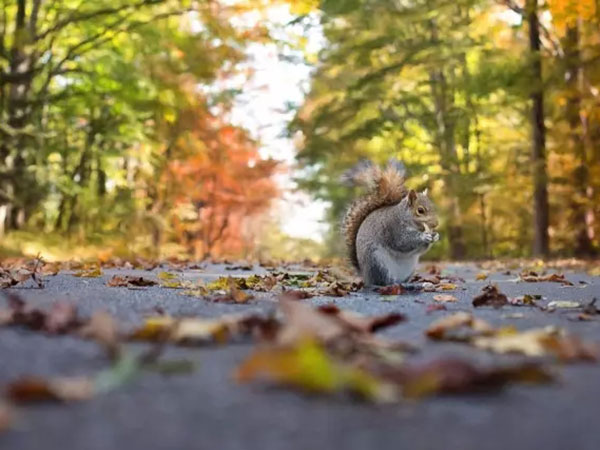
(434, 223)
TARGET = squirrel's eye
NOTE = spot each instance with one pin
(420, 210)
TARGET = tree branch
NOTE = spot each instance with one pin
(75, 18)
(35, 11)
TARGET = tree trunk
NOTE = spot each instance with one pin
(541, 214)
(576, 142)
(17, 183)
(449, 162)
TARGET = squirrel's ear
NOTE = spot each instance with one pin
(425, 191)
(412, 196)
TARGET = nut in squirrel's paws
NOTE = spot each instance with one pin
(429, 236)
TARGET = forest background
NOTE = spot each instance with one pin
(118, 137)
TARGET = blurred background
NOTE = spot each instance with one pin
(220, 128)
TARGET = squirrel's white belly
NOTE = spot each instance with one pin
(400, 266)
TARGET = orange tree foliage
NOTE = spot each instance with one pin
(566, 12)
(114, 125)
(216, 183)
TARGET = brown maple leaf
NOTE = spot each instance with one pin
(490, 296)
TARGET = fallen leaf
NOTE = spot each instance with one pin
(35, 390)
(563, 304)
(461, 326)
(89, 273)
(167, 276)
(335, 289)
(529, 343)
(185, 330)
(481, 276)
(540, 342)
(445, 298)
(234, 294)
(571, 348)
(583, 317)
(307, 366)
(61, 318)
(305, 322)
(171, 281)
(7, 280)
(31, 270)
(524, 300)
(394, 289)
(196, 330)
(447, 286)
(246, 266)
(533, 277)
(490, 296)
(452, 375)
(129, 280)
(360, 323)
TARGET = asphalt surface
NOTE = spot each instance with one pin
(206, 409)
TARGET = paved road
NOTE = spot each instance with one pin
(206, 410)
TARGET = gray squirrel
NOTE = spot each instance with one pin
(390, 227)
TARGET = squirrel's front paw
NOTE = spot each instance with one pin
(429, 237)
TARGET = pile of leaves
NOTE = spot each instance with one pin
(537, 342)
(31, 270)
(435, 280)
(326, 350)
(200, 331)
(130, 281)
(60, 319)
(298, 285)
(533, 277)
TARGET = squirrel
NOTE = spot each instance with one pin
(390, 227)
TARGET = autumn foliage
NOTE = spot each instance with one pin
(217, 182)
(121, 134)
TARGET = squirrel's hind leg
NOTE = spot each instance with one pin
(375, 272)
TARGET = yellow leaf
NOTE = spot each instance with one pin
(167, 276)
(182, 330)
(89, 273)
(447, 287)
(308, 367)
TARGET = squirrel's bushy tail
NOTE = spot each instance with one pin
(385, 187)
